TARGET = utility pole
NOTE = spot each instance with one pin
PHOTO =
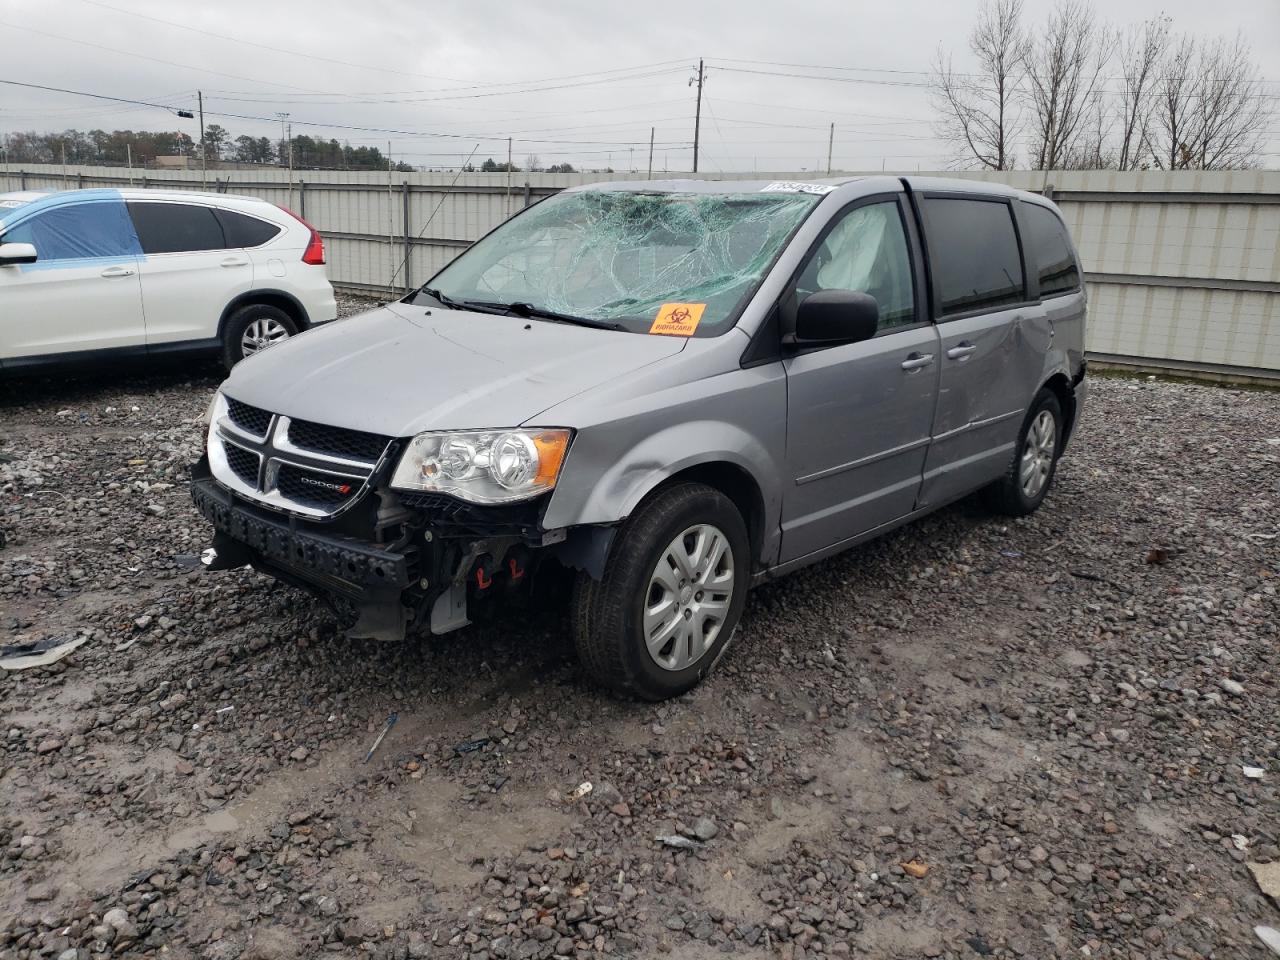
(289, 137)
(64, 164)
(831, 139)
(697, 115)
(508, 176)
(650, 153)
(204, 166)
(128, 155)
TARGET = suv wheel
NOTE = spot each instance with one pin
(671, 597)
(1035, 460)
(252, 329)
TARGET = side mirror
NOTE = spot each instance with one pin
(837, 316)
(15, 253)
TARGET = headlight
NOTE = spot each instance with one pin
(483, 466)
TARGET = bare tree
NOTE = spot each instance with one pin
(1175, 105)
(1212, 111)
(1142, 49)
(980, 114)
(1233, 110)
(1064, 68)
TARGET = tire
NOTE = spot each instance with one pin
(273, 324)
(1015, 494)
(609, 616)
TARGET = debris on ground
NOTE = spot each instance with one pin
(677, 841)
(38, 653)
(1267, 876)
(386, 728)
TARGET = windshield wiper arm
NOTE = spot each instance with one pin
(449, 303)
(521, 309)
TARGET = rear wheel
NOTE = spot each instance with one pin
(671, 597)
(1035, 460)
(252, 329)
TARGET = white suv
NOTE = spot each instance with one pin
(91, 275)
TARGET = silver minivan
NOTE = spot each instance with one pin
(664, 392)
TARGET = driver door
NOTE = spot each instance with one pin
(859, 415)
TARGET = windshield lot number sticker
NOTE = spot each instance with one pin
(793, 186)
(677, 319)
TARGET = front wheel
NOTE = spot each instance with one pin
(1035, 459)
(673, 591)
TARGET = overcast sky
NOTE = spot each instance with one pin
(480, 72)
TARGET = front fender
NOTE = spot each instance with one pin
(613, 466)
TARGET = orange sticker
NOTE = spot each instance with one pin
(677, 319)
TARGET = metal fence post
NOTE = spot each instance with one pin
(408, 243)
(527, 193)
(22, 176)
(302, 199)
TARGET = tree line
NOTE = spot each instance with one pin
(117, 147)
(1076, 92)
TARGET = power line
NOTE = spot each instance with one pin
(326, 124)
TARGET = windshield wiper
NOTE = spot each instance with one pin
(521, 309)
(443, 299)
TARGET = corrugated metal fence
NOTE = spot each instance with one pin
(1183, 268)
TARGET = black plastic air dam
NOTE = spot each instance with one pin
(298, 551)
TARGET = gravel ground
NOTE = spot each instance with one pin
(970, 738)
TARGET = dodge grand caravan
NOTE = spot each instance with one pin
(672, 390)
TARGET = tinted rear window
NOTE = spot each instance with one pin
(1049, 248)
(974, 253)
(175, 227)
(242, 230)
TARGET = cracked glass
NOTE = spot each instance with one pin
(620, 256)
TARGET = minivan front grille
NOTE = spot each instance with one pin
(294, 465)
(252, 420)
(337, 441)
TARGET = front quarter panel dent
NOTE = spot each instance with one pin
(624, 480)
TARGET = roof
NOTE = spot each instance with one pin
(716, 186)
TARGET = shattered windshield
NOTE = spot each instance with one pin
(683, 263)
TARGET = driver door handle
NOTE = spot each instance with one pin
(961, 350)
(117, 272)
(917, 360)
(235, 262)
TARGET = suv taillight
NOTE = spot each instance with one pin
(314, 254)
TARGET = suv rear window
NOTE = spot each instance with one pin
(973, 249)
(175, 227)
(1050, 251)
(242, 230)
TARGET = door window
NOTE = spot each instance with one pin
(973, 250)
(176, 227)
(241, 230)
(866, 251)
(1050, 250)
(77, 231)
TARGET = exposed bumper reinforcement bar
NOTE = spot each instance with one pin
(349, 567)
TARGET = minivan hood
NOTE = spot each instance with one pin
(402, 369)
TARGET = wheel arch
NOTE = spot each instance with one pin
(280, 299)
(736, 483)
(1061, 387)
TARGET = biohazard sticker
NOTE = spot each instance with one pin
(677, 319)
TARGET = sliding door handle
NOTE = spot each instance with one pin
(917, 360)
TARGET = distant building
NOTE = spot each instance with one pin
(177, 163)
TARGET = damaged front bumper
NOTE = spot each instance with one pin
(415, 560)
